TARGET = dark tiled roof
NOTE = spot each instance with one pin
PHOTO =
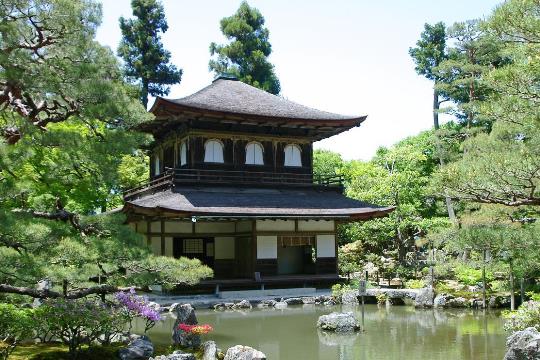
(249, 202)
(235, 97)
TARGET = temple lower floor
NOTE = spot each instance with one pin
(250, 250)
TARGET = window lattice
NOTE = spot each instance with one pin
(193, 246)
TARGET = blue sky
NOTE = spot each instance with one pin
(343, 56)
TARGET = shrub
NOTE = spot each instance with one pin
(76, 322)
(528, 315)
(381, 298)
(471, 276)
(350, 258)
(138, 306)
(415, 284)
(15, 325)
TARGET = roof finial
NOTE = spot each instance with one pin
(225, 76)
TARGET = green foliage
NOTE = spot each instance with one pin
(326, 162)
(52, 69)
(350, 258)
(339, 289)
(15, 326)
(430, 50)
(53, 182)
(382, 298)
(527, 315)
(397, 177)
(78, 322)
(142, 51)
(245, 56)
(415, 284)
(471, 276)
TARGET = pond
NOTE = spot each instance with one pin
(399, 332)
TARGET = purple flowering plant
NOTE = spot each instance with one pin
(138, 306)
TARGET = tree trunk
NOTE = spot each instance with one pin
(512, 295)
(144, 93)
(484, 279)
(436, 106)
(522, 289)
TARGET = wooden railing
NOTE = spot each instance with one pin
(252, 177)
(159, 182)
(230, 177)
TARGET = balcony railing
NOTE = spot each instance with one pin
(173, 177)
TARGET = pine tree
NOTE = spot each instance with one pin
(246, 55)
(141, 49)
(429, 53)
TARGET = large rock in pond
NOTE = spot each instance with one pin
(177, 355)
(138, 349)
(523, 345)
(240, 352)
(424, 298)
(209, 350)
(294, 301)
(349, 298)
(338, 322)
(185, 314)
(244, 304)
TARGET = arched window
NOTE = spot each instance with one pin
(157, 165)
(213, 151)
(292, 155)
(254, 154)
(183, 153)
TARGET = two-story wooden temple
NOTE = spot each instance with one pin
(232, 184)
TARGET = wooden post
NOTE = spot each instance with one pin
(512, 295)
(522, 289)
(484, 279)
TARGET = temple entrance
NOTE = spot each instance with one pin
(195, 248)
(294, 255)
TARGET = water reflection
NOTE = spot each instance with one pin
(399, 332)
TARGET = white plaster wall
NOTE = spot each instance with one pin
(243, 226)
(326, 246)
(316, 225)
(169, 246)
(223, 248)
(266, 247)
(214, 227)
(155, 226)
(156, 245)
(178, 227)
(275, 225)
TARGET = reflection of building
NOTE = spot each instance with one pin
(232, 184)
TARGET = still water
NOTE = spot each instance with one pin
(399, 332)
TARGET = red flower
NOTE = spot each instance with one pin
(195, 329)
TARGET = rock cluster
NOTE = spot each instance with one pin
(177, 355)
(139, 349)
(523, 345)
(338, 322)
(275, 303)
(450, 301)
(241, 305)
(240, 352)
(424, 298)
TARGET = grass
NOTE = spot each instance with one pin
(56, 351)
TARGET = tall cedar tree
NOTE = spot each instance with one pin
(428, 54)
(145, 58)
(246, 56)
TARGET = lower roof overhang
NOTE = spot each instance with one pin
(219, 203)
